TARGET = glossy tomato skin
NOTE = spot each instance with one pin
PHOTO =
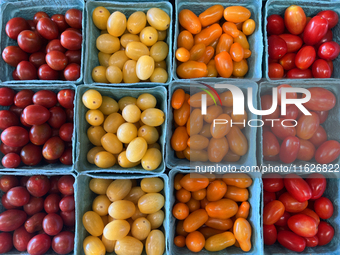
(306, 150)
(15, 136)
(327, 152)
(38, 16)
(54, 184)
(291, 205)
(292, 112)
(316, 28)
(312, 241)
(269, 234)
(37, 59)
(66, 98)
(31, 154)
(12, 219)
(291, 241)
(29, 41)
(36, 114)
(73, 18)
(268, 197)
(6, 96)
(283, 220)
(271, 146)
(14, 26)
(295, 19)
(67, 204)
(329, 51)
(46, 98)
(26, 71)
(272, 212)
(307, 125)
(45, 72)
(297, 73)
(8, 119)
(305, 57)
(275, 71)
(325, 233)
(39, 134)
(288, 61)
(34, 223)
(52, 224)
(5, 149)
(18, 196)
(53, 148)
(321, 99)
(63, 243)
(272, 182)
(282, 132)
(319, 137)
(331, 16)
(72, 72)
(71, 40)
(47, 28)
(55, 45)
(323, 208)
(6, 204)
(289, 149)
(293, 42)
(317, 182)
(321, 69)
(51, 203)
(11, 160)
(275, 25)
(35, 205)
(38, 185)
(13, 55)
(65, 185)
(59, 19)
(23, 98)
(303, 225)
(21, 238)
(6, 242)
(39, 244)
(277, 47)
(56, 60)
(66, 132)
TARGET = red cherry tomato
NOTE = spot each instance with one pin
(329, 51)
(15, 26)
(275, 25)
(52, 224)
(6, 96)
(297, 73)
(73, 56)
(65, 185)
(272, 182)
(59, 19)
(6, 242)
(68, 218)
(307, 126)
(5, 149)
(305, 57)
(11, 160)
(35, 205)
(297, 187)
(291, 241)
(66, 157)
(283, 220)
(31, 154)
(46, 98)
(73, 17)
(319, 137)
(29, 41)
(322, 116)
(18, 196)
(71, 40)
(269, 234)
(325, 233)
(281, 131)
(45, 72)
(316, 28)
(271, 146)
(289, 149)
(51, 203)
(312, 214)
(291, 204)
(36, 114)
(295, 19)
(15, 136)
(39, 244)
(63, 243)
(21, 238)
(55, 45)
(293, 42)
(324, 208)
(292, 112)
(13, 55)
(66, 132)
(38, 185)
(331, 16)
(72, 72)
(321, 99)
(277, 47)
(288, 61)
(26, 71)
(58, 117)
(7, 182)
(317, 183)
(47, 28)
(8, 119)
(37, 59)
(53, 148)
(38, 16)
(321, 69)
(327, 152)
(275, 71)
(303, 225)
(66, 98)
(306, 150)
(56, 60)
(312, 241)
(268, 197)
(272, 212)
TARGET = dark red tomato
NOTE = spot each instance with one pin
(36, 114)
(270, 60)
(38, 16)
(297, 187)
(35, 205)
(272, 182)
(271, 146)
(291, 204)
(288, 61)
(59, 19)
(39, 134)
(23, 181)
(289, 149)
(283, 131)
(275, 71)
(328, 37)
(283, 220)
(52, 224)
(306, 150)
(295, 19)
(31, 154)
(65, 185)
(307, 126)
(278, 228)
(297, 73)
(74, 18)
(316, 28)
(47, 73)
(6, 96)
(56, 60)
(8, 119)
(319, 137)
(317, 182)
(15, 136)
(15, 75)
(15, 26)
(13, 55)
(291, 241)
(72, 72)
(66, 132)
(329, 50)
(58, 117)
(268, 197)
(292, 112)
(21, 238)
(312, 241)
(26, 71)
(47, 28)
(324, 208)
(272, 212)
(289, 95)
(327, 152)
(6, 204)
(303, 225)
(69, 115)
(321, 99)
(66, 98)
(293, 42)
(23, 122)
(23, 98)
(46, 98)
(7, 182)
(312, 214)
(5, 149)
(55, 132)
(71, 40)
(73, 56)
(38, 185)
(69, 218)
(266, 104)
(51, 204)
(275, 25)
(34, 223)
(63, 243)
(31, 24)
(67, 204)
(18, 196)
(277, 47)
(331, 16)
(305, 57)
(17, 110)
(6, 242)
(325, 233)
(29, 41)
(11, 160)
(12, 219)
(322, 116)
(321, 69)
(269, 234)
(37, 59)
(55, 45)
(53, 148)
(54, 184)
(39, 244)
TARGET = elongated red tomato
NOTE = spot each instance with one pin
(321, 69)
(289, 149)
(291, 241)
(303, 225)
(312, 241)
(295, 19)
(331, 16)
(277, 47)
(307, 126)
(283, 131)
(292, 112)
(306, 150)
(327, 152)
(288, 61)
(321, 99)
(305, 57)
(272, 182)
(271, 146)
(291, 204)
(317, 182)
(315, 29)
(272, 212)
(269, 234)
(293, 42)
(319, 137)
(297, 187)
(325, 233)
(297, 73)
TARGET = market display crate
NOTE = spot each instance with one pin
(84, 144)
(26, 10)
(126, 8)
(44, 167)
(255, 40)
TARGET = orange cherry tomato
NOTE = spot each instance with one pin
(207, 56)
(216, 190)
(195, 122)
(220, 241)
(180, 211)
(182, 54)
(180, 230)
(195, 241)
(179, 154)
(219, 223)
(242, 233)
(198, 142)
(243, 210)
(237, 194)
(209, 35)
(192, 69)
(248, 27)
(239, 180)
(224, 64)
(242, 39)
(222, 209)
(231, 157)
(182, 114)
(221, 130)
(178, 98)
(190, 21)
(179, 241)
(197, 51)
(247, 53)
(217, 149)
(199, 194)
(240, 69)
(183, 195)
(272, 212)
(177, 185)
(195, 220)
(211, 15)
(227, 100)
(212, 71)
(208, 232)
(236, 52)
(194, 182)
(193, 205)
(237, 141)
(179, 139)
(230, 29)
(236, 14)
(185, 40)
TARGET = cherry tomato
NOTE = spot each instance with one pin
(73, 56)
(325, 233)
(18, 196)
(306, 150)
(8, 119)
(52, 224)
(291, 241)
(327, 152)
(277, 47)
(293, 42)
(292, 112)
(316, 28)
(21, 238)
(5, 149)
(195, 241)
(322, 116)
(324, 208)
(12, 219)
(321, 69)
(283, 220)
(47, 73)
(66, 157)
(31, 154)
(11, 160)
(39, 244)
(68, 218)
(59, 19)
(271, 146)
(14, 26)
(288, 61)
(13, 55)
(192, 69)
(312, 214)
(73, 18)
(35, 205)
(7, 182)
(38, 185)
(291, 95)
(208, 35)
(291, 204)
(58, 117)
(275, 25)
(15, 136)
(6, 242)
(289, 149)
(303, 225)
(305, 57)
(312, 241)
(224, 64)
(319, 137)
(6, 96)
(269, 233)
(317, 183)
(295, 19)
(37, 59)
(297, 73)
(29, 41)
(53, 148)
(55, 45)
(26, 71)
(272, 182)
(329, 50)
(72, 72)
(268, 197)
(56, 60)
(63, 243)
(65, 185)
(331, 16)
(272, 212)
(321, 99)
(66, 98)
(71, 40)
(307, 126)
(35, 114)
(297, 187)
(47, 28)
(46, 98)
(38, 16)
(275, 71)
